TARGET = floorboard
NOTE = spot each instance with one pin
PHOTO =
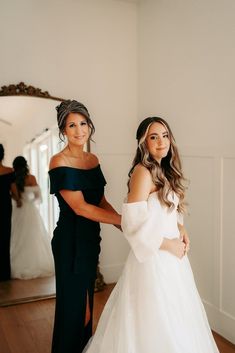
(27, 328)
(23, 291)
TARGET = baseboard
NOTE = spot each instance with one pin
(221, 322)
(220, 338)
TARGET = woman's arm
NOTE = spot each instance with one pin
(106, 206)
(77, 202)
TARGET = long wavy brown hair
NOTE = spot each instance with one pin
(168, 175)
(21, 169)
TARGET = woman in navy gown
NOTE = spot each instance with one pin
(7, 190)
(77, 181)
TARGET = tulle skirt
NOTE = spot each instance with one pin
(154, 308)
(31, 254)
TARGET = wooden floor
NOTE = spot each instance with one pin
(22, 291)
(27, 328)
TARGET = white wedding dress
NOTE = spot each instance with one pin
(155, 306)
(30, 249)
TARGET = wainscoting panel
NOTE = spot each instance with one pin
(201, 222)
(211, 226)
(228, 237)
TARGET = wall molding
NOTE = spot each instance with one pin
(219, 303)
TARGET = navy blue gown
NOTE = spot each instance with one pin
(76, 248)
(5, 225)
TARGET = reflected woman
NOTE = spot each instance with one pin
(7, 190)
(78, 183)
(31, 255)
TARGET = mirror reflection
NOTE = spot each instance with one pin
(30, 247)
(28, 132)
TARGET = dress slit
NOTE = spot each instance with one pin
(88, 310)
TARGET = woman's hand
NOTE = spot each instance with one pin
(184, 237)
(118, 227)
(174, 246)
(177, 247)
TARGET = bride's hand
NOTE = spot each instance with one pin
(177, 247)
(185, 238)
(174, 246)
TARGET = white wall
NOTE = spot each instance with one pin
(177, 61)
(187, 75)
(84, 50)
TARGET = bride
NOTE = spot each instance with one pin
(30, 249)
(155, 306)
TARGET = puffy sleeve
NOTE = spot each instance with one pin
(37, 195)
(142, 229)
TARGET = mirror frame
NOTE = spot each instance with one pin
(21, 89)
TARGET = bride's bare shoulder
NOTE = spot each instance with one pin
(141, 172)
(140, 184)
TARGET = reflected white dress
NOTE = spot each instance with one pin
(155, 306)
(31, 254)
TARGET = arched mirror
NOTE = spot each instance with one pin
(28, 127)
